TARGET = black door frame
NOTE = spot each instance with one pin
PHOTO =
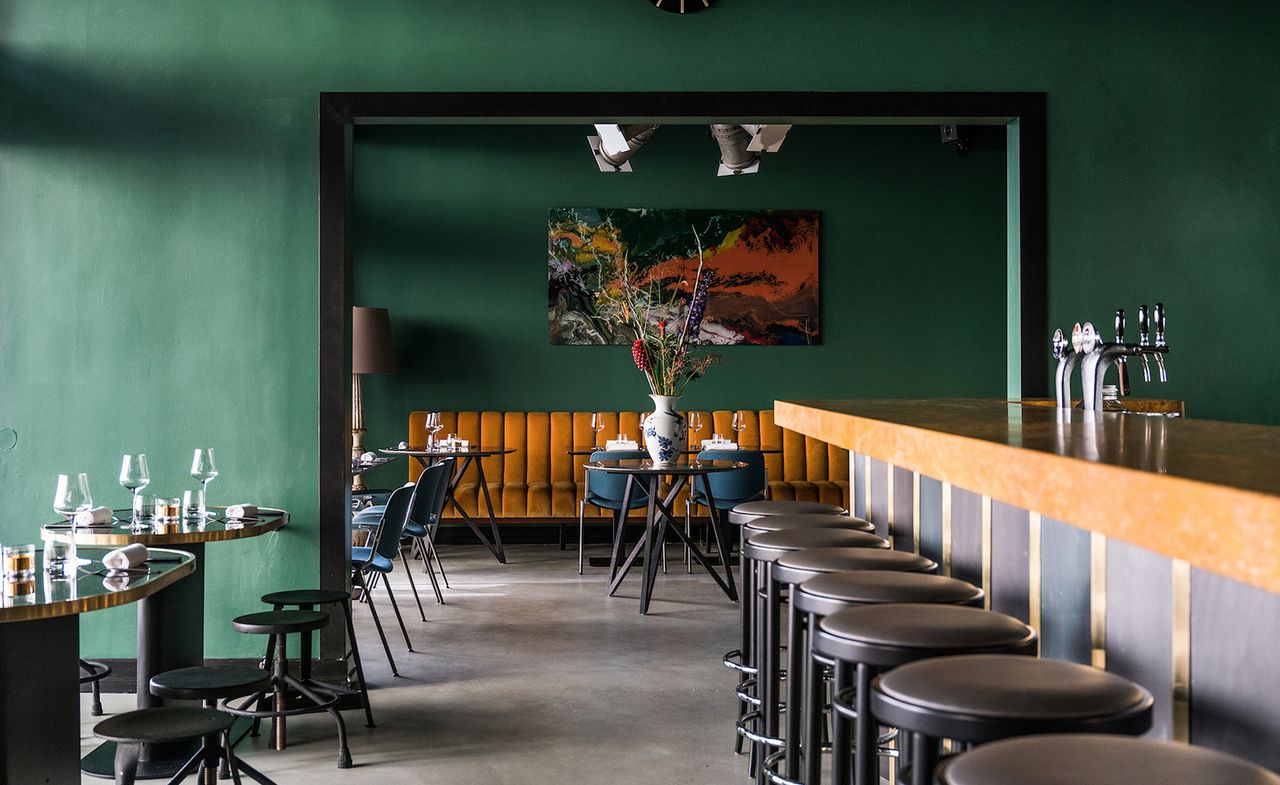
(341, 112)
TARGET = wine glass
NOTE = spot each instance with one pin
(433, 425)
(72, 496)
(695, 422)
(739, 424)
(203, 468)
(134, 475)
(597, 425)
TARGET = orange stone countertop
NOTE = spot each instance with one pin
(1203, 491)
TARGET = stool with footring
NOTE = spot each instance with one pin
(165, 725)
(92, 672)
(290, 695)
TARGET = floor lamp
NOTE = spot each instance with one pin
(371, 352)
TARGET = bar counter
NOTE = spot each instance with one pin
(1201, 491)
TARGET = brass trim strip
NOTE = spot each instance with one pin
(1033, 574)
(915, 511)
(946, 528)
(1181, 649)
(1098, 598)
(986, 552)
(888, 502)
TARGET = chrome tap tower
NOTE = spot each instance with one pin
(1094, 356)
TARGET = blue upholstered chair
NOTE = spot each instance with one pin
(729, 488)
(374, 561)
(605, 490)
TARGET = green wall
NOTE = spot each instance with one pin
(158, 199)
(451, 229)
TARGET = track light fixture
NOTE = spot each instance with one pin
(766, 138)
(735, 158)
(615, 144)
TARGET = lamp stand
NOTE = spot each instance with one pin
(357, 430)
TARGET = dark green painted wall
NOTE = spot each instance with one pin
(154, 150)
(451, 237)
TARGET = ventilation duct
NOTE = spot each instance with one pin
(615, 144)
(735, 158)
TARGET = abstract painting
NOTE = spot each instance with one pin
(764, 262)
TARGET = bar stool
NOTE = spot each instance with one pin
(985, 697)
(307, 600)
(174, 724)
(748, 510)
(314, 697)
(760, 726)
(1088, 759)
(794, 568)
(92, 672)
(830, 593)
(865, 640)
(210, 684)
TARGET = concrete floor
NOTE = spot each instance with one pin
(530, 674)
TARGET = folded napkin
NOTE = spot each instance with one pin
(402, 446)
(367, 457)
(125, 558)
(115, 582)
(242, 511)
(98, 516)
(614, 444)
(712, 444)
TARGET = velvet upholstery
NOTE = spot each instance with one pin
(540, 481)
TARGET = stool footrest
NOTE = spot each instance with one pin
(757, 738)
(733, 661)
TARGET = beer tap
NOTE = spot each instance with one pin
(1157, 316)
(1067, 352)
(1122, 369)
(1144, 340)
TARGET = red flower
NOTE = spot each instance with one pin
(639, 355)
(662, 329)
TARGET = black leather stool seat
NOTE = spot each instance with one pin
(168, 723)
(768, 546)
(748, 510)
(774, 523)
(280, 622)
(995, 696)
(800, 566)
(889, 635)
(836, 591)
(305, 597)
(210, 682)
(1089, 759)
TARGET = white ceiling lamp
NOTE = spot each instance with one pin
(735, 157)
(766, 138)
(614, 144)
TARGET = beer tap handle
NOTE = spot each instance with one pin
(1157, 317)
(1122, 368)
(1144, 327)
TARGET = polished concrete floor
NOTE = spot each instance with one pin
(530, 674)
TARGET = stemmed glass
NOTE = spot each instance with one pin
(72, 496)
(695, 422)
(433, 425)
(134, 475)
(597, 425)
(203, 468)
(739, 424)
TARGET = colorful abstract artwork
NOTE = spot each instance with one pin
(764, 263)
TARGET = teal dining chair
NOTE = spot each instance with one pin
(371, 562)
(729, 489)
(605, 491)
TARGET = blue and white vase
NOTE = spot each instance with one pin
(665, 432)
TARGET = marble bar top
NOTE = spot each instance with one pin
(1203, 491)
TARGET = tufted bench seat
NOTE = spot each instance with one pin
(541, 482)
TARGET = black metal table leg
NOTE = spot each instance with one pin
(620, 530)
(654, 529)
(454, 481)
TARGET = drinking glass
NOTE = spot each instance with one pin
(739, 424)
(144, 507)
(597, 425)
(433, 425)
(695, 422)
(72, 496)
(19, 562)
(134, 475)
(193, 504)
(56, 556)
(203, 468)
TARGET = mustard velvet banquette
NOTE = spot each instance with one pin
(541, 481)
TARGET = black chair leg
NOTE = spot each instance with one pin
(409, 574)
(422, 545)
(403, 630)
(560, 534)
(355, 655)
(359, 579)
(435, 552)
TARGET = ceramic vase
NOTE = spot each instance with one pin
(665, 432)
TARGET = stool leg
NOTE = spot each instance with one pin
(278, 674)
(270, 656)
(841, 733)
(866, 750)
(228, 761)
(126, 763)
(582, 531)
(770, 663)
(795, 688)
(344, 753)
(304, 659)
(924, 759)
(355, 654)
(813, 714)
(749, 587)
(211, 758)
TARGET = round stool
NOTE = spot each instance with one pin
(796, 567)
(744, 512)
(92, 672)
(774, 523)
(984, 697)
(1086, 759)
(865, 640)
(313, 697)
(760, 725)
(830, 593)
(210, 684)
(308, 599)
(173, 724)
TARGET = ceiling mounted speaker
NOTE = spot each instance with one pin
(615, 144)
(682, 6)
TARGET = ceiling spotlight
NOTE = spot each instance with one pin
(614, 144)
(735, 157)
(766, 138)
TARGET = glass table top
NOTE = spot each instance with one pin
(91, 586)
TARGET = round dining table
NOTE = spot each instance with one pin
(171, 628)
(40, 655)
(660, 519)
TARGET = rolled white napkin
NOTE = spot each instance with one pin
(242, 511)
(712, 444)
(125, 558)
(115, 582)
(402, 446)
(98, 516)
(368, 456)
(614, 444)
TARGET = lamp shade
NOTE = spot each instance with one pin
(371, 350)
